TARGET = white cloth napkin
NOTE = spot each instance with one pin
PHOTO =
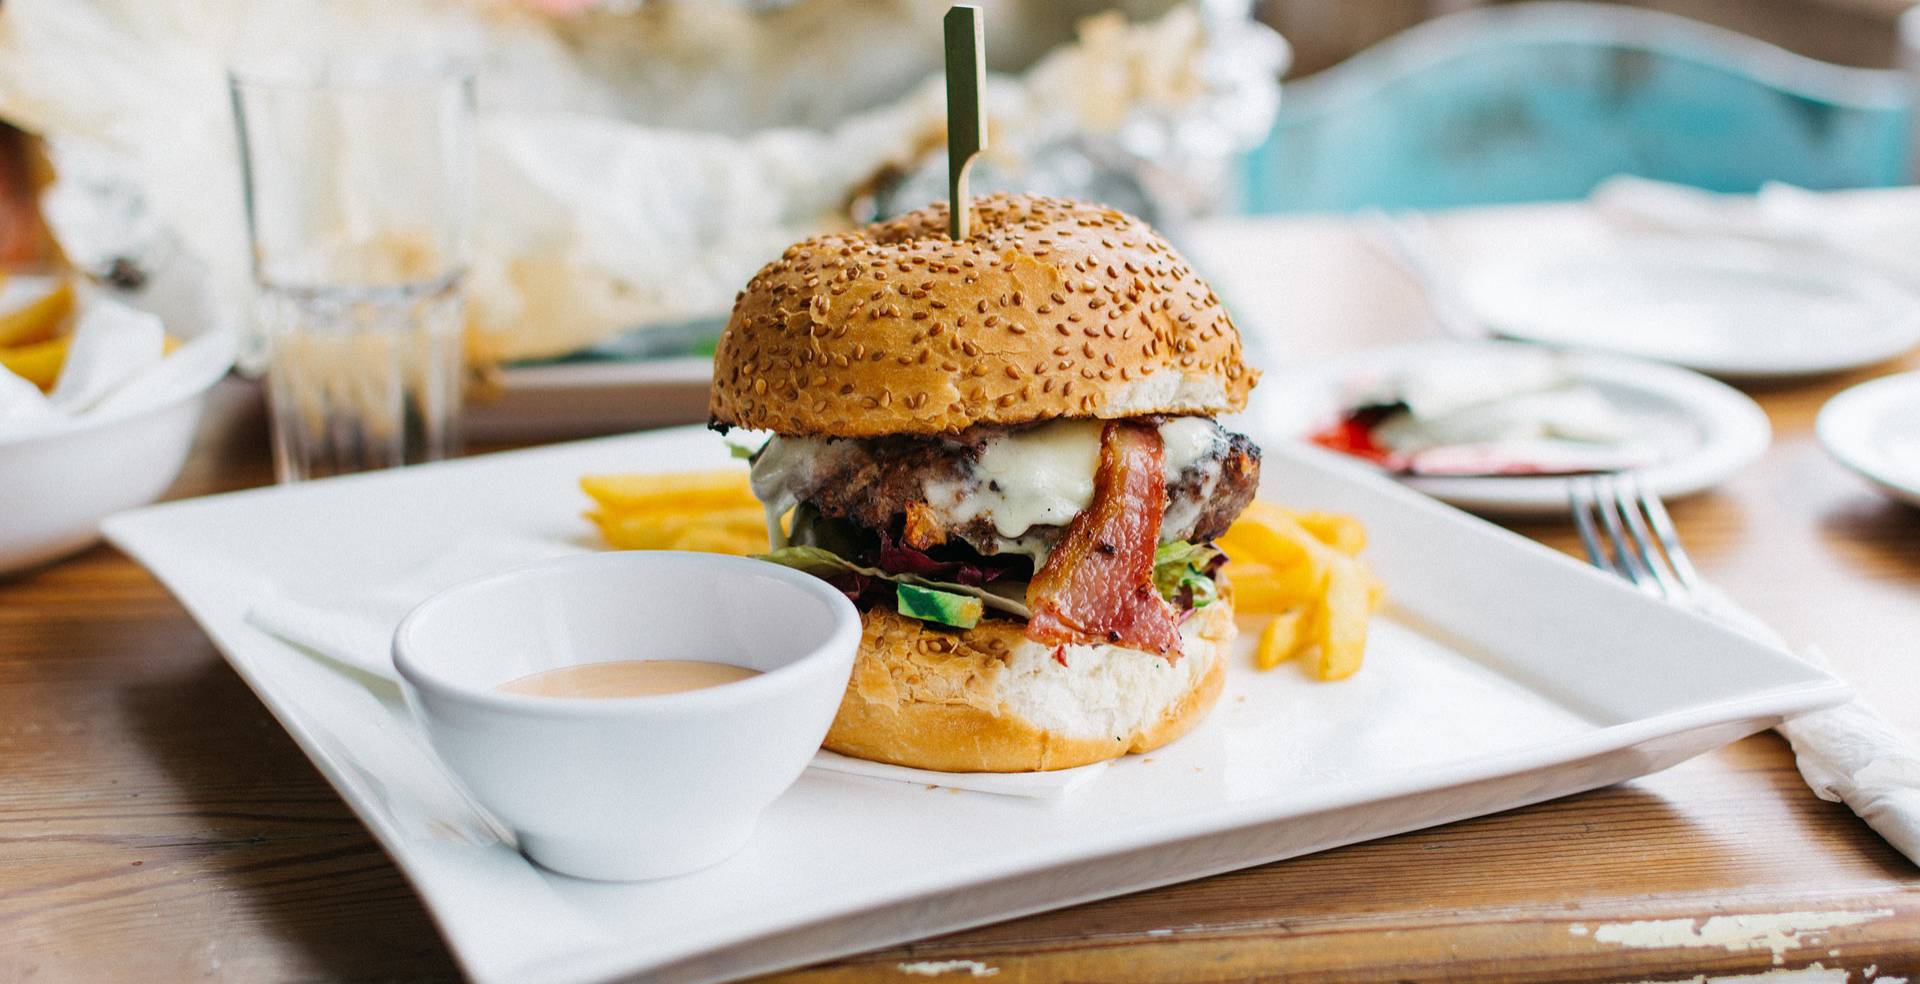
(116, 362)
(1847, 754)
(355, 631)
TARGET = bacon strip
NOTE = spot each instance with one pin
(1097, 585)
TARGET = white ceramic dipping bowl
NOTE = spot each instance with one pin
(630, 788)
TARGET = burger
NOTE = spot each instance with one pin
(1003, 450)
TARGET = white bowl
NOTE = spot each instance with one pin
(59, 482)
(638, 787)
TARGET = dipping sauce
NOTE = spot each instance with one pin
(627, 678)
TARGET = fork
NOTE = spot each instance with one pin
(1846, 753)
(1627, 532)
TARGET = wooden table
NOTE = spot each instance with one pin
(156, 824)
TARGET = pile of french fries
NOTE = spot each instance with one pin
(707, 511)
(1303, 569)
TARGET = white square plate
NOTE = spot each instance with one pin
(1501, 674)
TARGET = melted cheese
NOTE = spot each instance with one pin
(1044, 476)
(1188, 441)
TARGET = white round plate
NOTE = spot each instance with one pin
(1874, 429)
(1728, 429)
(1736, 309)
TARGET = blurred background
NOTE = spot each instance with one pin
(637, 159)
(1860, 33)
(566, 223)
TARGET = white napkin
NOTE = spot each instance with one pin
(206, 356)
(21, 402)
(1881, 232)
(116, 362)
(1847, 754)
(355, 630)
(112, 344)
(1851, 755)
(1682, 209)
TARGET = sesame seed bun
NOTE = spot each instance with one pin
(1053, 308)
(991, 700)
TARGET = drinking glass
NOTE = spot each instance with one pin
(359, 201)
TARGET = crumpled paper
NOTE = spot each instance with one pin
(590, 222)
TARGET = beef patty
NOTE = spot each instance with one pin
(876, 483)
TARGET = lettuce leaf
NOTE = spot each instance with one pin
(1005, 596)
(1182, 572)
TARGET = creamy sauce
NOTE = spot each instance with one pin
(777, 469)
(627, 678)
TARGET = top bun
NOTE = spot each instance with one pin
(1053, 308)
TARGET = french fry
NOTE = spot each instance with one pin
(1256, 540)
(1342, 533)
(37, 320)
(719, 540)
(667, 530)
(1343, 621)
(1275, 538)
(1259, 589)
(709, 511)
(1281, 639)
(680, 492)
(38, 363)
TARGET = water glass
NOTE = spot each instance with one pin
(359, 201)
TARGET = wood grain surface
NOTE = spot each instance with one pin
(157, 824)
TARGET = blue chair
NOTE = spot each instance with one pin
(1542, 101)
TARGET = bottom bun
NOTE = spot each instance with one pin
(988, 699)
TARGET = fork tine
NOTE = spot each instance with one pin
(1670, 541)
(1581, 499)
(1631, 501)
(1611, 517)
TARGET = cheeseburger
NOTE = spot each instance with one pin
(1003, 449)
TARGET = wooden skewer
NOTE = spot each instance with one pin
(966, 118)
